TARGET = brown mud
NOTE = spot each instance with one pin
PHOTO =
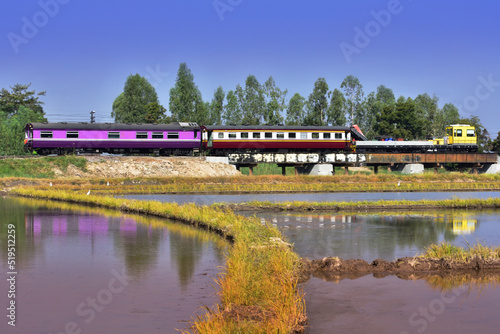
(335, 269)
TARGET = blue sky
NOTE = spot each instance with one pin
(81, 52)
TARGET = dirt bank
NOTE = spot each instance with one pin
(333, 268)
(129, 166)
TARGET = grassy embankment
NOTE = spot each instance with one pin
(39, 172)
(382, 205)
(258, 288)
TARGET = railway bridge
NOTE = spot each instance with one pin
(407, 163)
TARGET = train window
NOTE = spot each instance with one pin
(471, 133)
(232, 135)
(326, 135)
(280, 135)
(292, 135)
(220, 135)
(256, 135)
(46, 134)
(303, 135)
(338, 136)
(141, 135)
(113, 135)
(173, 135)
(244, 135)
(268, 134)
(458, 133)
(72, 134)
(315, 135)
(157, 135)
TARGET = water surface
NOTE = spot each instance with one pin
(104, 272)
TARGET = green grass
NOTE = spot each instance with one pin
(460, 254)
(39, 167)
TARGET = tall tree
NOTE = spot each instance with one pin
(11, 101)
(275, 102)
(295, 112)
(336, 110)
(385, 95)
(217, 107)
(317, 104)
(130, 106)
(253, 102)
(427, 107)
(232, 111)
(186, 103)
(353, 92)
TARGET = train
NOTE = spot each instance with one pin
(188, 138)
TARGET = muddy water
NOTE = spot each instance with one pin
(386, 236)
(393, 305)
(102, 272)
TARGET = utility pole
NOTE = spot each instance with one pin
(92, 116)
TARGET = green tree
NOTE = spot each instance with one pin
(495, 144)
(317, 104)
(385, 95)
(295, 112)
(20, 96)
(353, 92)
(253, 102)
(232, 111)
(186, 103)
(276, 102)
(427, 108)
(155, 113)
(217, 107)
(12, 129)
(336, 111)
(445, 116)
(130, 106)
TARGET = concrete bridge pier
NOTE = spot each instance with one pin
(410, 168)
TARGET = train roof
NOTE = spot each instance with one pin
(276, 127)
(356, 134)
(113, 126)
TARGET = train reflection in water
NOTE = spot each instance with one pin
(455, 223)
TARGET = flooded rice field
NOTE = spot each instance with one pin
(389, 304)
(91, 271)
(104, 272)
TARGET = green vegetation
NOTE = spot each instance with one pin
(259, 285)
(460, 254)
(39, 167)
(367, 205)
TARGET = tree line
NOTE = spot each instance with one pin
(378, 114)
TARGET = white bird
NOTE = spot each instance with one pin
(88, 192)
(108, 183)
(50, 184)
(399, 183)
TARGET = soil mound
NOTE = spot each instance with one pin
(333, 268)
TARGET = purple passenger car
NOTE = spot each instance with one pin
(165, 139)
